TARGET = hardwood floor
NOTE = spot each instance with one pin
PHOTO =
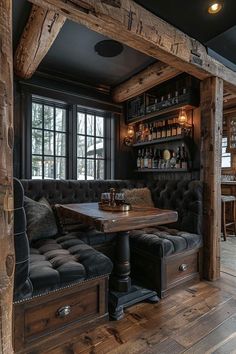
(228, 255)
(196, 320)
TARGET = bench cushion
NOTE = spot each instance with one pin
(162, 241)
(62, 260)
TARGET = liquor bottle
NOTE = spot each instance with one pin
(150, 132)
(173, 160)
(139, 160)
(150, 157)
(163, 130)
(178, 165)
(146, 132)
(184, 159)
(155, 159)
(168, 129)
(174, 127)
(145, 162)
(154, 131)
(178, 129)
(158, 130)
(142, 159)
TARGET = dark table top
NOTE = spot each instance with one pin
(108, 221)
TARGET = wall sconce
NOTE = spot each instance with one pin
(183, 119)
(128, 140)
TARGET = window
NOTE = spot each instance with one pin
(226, 157)
(48, 141)
(90, 146)
(69, 142)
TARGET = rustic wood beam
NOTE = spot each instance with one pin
(153, 75)
(131, 24)
(211, 134)
(7, 259)
(39, 34)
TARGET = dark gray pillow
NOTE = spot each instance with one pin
(41, 221)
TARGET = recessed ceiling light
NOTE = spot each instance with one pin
(215, 7)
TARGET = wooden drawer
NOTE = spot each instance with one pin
(41, 319)
(39, 322)
(181, 268)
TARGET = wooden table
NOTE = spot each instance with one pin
(122, 294)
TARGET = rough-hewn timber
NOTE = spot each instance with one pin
(131, 24)
(211, 127)
(6, 195)
(153, 75)
(40, 32)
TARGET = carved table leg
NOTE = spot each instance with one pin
(122, 294)
(120, 279)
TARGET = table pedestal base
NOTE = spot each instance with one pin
(119, 300)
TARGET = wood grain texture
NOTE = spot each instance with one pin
(39, 34)
(212, 125)
(38, 327)
(6, 166)
(153, 75)
(107, 221)
(196, 319)
(131, 24)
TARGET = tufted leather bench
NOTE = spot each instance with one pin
(61, 284)
(164, 257)
(180, 240)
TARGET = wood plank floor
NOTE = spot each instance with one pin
(228, 255)
(196, 320)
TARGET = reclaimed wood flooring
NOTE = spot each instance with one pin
(228, 255)
(195, 320)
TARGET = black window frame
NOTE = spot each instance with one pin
(55, 104)
(71, 144)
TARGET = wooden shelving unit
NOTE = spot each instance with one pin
(162, 140)
(162, 170)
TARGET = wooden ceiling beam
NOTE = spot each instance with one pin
(131, 24)
(39, 34)
(153, 75)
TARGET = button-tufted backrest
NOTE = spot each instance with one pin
(71, 191)
(22, 284)
(184, 197)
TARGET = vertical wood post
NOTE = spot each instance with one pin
(7, 259)
(211, 134)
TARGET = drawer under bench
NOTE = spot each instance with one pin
(46, 321)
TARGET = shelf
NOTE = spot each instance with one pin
(162, 140)
(163, 170)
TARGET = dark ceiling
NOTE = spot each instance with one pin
(73, 55)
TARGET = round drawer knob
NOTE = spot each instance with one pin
(183, 267)
(64, 311)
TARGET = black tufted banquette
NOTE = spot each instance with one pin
(166, 256)
(61, 283)
(150, 249)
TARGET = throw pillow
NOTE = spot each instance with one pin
(138, 197)
(41, 222)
